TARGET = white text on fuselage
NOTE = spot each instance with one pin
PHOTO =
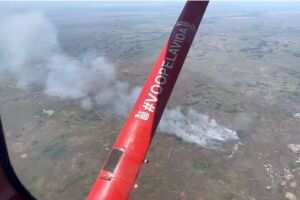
(161, 79)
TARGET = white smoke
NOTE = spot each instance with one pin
(195, 128)
(26, 42)
(30, 52)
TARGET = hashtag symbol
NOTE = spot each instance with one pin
(148, 106)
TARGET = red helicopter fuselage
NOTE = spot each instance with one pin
(117, 178)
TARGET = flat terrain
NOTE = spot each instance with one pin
(243, 71)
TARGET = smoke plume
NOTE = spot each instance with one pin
(195, 128)
(30, 53)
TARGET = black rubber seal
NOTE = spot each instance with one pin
(9, 171)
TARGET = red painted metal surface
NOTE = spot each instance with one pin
(117, 178)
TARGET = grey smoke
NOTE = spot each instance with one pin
(30, 53)
(195, 128)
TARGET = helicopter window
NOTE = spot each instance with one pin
(70, 73)
(113, 160)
